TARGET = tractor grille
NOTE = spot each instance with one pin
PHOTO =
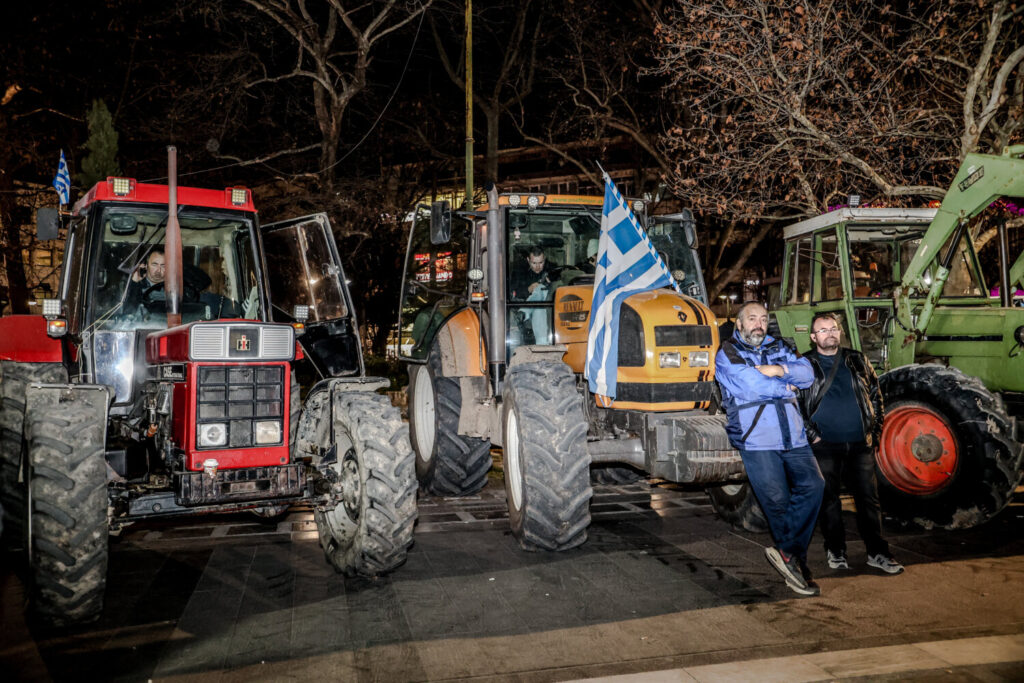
(239, 396)
(682, 335)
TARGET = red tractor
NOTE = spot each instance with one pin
(137, 397)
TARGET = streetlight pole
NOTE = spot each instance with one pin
(468, 202)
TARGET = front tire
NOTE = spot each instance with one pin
(546, 464)
(368, 530)
(948, 455)
(67, 515)
(736, 504)
(447, 463)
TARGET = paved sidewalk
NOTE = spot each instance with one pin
(661, 586)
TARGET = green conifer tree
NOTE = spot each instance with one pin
(101, 147)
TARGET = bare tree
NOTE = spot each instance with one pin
(333, 42)
(796, 104)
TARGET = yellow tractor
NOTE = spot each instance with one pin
(493, 324)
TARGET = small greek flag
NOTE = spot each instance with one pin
(62, 181)
(627, 263)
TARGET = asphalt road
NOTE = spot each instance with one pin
(661, 586)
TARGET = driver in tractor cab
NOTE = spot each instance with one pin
(147, 285)
(148, 278)
(534, 283)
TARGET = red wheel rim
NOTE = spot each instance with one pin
(919, 452)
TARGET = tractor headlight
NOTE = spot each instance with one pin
(213, 434)
(699, 359)
(669, 359)
(268, 431)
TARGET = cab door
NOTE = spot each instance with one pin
(303, 269)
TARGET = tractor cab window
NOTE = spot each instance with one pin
(547, 248)
(963, 279)
(435, 284)
(829, 281)
(800, 271)
(871, 266)
(75, 273)
(675, 247)
(304, 273)
(129, 282)
(984, 232)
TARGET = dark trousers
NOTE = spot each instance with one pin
(788, 485)
(854, 465)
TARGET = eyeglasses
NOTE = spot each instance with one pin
(831, 330)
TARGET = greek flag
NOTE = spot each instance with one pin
(62, 181)
(627, 263)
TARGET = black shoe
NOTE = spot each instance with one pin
(812, 585)
(788, 568)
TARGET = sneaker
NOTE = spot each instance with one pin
(887, 564)
(837, 560)
(789, 568)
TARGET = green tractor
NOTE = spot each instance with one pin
(912, 294)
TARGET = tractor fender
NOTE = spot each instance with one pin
(463, 352)
(533, 353)
(53, 397)
(315, 418)
(23, 339)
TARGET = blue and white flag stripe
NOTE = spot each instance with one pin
(627, 263)
(62, 181)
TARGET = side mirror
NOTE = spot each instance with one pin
(440, 223)
(47, 224)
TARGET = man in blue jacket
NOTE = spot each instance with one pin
(760, 377)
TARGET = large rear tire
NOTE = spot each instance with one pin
(14, 377)
(547, 481)
(736, 504)
(368, 532)
(447, 463)
(67, 514)
(948, 456)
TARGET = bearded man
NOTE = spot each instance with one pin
(760, 377)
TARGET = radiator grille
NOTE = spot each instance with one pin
(682, 335)
(238, 396)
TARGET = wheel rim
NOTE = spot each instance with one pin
(424, 414)
(731, 489)
(351, 487)
(512, 463)
(919, 453)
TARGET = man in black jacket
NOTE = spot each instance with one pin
(843, 417)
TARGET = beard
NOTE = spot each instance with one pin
(752, 337)
(829, 344)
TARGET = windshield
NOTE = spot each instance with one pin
(552, 247)
(218, 273)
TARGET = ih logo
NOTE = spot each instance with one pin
(242, 344)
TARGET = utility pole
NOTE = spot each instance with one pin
(468, 202)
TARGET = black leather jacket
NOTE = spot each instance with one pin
(866, 389)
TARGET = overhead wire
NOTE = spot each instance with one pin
(394, 92)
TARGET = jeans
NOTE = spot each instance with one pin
(789, 486)
(854, 465)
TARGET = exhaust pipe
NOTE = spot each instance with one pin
(172, 244)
